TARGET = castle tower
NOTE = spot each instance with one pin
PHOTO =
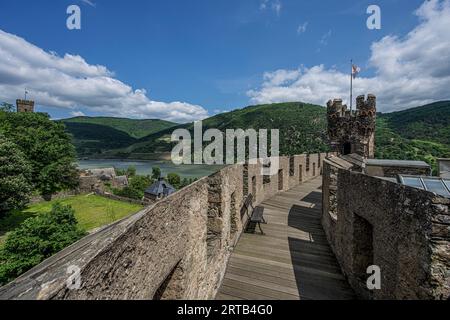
(366, 113)
(25, 105)
(352, 132)
(334, 116)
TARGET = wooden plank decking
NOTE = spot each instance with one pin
(293, 260)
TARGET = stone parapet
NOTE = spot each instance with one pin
(403, 230)
(177, 248)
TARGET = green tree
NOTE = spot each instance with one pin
(15, 176)
(156, 173)
(120, 172)
(47, 147)
(136, 187)
(6, 107)
(37, 239)
(131, 171)
(140, 183)
(187, 181)
(174, 179)
(129, 192)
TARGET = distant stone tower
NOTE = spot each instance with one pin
(352, 132)
(25, 105)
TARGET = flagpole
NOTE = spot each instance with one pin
(351, 86)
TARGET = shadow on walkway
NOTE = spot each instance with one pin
(316, 269)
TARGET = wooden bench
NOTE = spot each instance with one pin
(257, 214)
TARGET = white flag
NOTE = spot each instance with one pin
(355, 71)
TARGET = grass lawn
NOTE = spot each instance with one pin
(91, 211)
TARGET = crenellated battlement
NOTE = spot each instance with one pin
(352, 131)
(25, 105)
(363, 104)
(336, 108)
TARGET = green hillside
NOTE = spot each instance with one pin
(302, 127)
(430, 122)
(134, 128)
(92, 139)
(421, 133)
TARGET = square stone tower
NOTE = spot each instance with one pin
(25, 105)
(353, 132)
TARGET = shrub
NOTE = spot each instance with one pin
(131, 171)
(129, 192)
(186, 182)
(174, 179)
(37, 239)
(120, 172)
(140, 182)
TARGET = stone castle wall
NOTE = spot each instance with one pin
(403, 230)
(175, 249)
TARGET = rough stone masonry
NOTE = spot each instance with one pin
(371, 221)
(175, 249)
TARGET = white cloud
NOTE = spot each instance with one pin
(89, 2)
(324, 40)
(77, 114)
(275, 5)
(219, 111)
(263, 5)
(302, 28)
(70, 82)
(409, 71)
(280, 77)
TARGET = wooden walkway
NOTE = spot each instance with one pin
(293, 260)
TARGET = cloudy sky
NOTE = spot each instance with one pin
(186, 60)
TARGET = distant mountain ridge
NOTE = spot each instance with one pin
(421, 133)
(96, 135)
(302, 127)
(430, 122)
(135, 128)
(90, 139)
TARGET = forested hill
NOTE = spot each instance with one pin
(132, 127)
(302, 127)
(97, 135)
(421, 133)
(430, 122)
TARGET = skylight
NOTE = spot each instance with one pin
(436, 186)
(432, 184)
(415, 182)
(447, 183)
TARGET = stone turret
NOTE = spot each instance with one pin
(352, 132)
(366, 114)
(25, 105)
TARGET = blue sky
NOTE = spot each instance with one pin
(196, 58)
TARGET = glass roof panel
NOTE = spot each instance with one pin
(447, 183)
(436, 186)
(412, 182)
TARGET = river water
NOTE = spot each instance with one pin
(145, 167)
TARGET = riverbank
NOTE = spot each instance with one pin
(160, 156)
(144, 167)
